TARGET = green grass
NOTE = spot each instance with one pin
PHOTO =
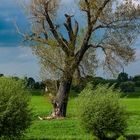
(133, 108)
(69, 128)
(54, 129)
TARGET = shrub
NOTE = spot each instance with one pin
(127, 86)
(100, 111)
(15, 114)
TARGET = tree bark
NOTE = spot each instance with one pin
(61, 100)
(62, 97)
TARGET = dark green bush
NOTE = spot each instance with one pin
(98, 80)
(121, 138)
(136, 78)
(127, 86)
(137, 83)
(15, 114)
(122, 77)
(100, 111)
(112, 82)
(81, 84)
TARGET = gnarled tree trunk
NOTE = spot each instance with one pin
(62, 97)
(61, 100)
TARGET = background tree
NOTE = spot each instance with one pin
(122, 77)
(136, 79)
(30, 82)
(117, 23)
(1, 75)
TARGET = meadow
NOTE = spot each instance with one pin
(69, 128)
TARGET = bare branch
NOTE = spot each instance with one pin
(85, 46)
(88, 12)
(100, 11)
(115, 26)
(55, 34)
(18, 30)
(44, 29)
(68, 26)
(76, 28)
(38, 39)
(53, 63)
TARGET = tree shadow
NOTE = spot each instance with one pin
(133, 137)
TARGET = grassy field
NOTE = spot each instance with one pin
(69, 128)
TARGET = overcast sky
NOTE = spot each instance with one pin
(15, 57)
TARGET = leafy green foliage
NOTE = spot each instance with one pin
(136, 79)
(137, 83)
(30, 82)
(121, 138)
(122, 77)
(98, 80)
(15, 114)
(128, 86)
(94, 81)
(101, 112)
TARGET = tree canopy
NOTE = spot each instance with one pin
(106, 38)
(116, 23)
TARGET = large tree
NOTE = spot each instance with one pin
(110, 29)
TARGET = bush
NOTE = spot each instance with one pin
(15, 114)
(100, 111)
(127, 86)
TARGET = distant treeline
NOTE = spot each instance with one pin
(29, 82)
(125, 82)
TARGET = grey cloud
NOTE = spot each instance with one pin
(19, 61)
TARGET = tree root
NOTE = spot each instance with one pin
(51, 117)
(56, 113)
